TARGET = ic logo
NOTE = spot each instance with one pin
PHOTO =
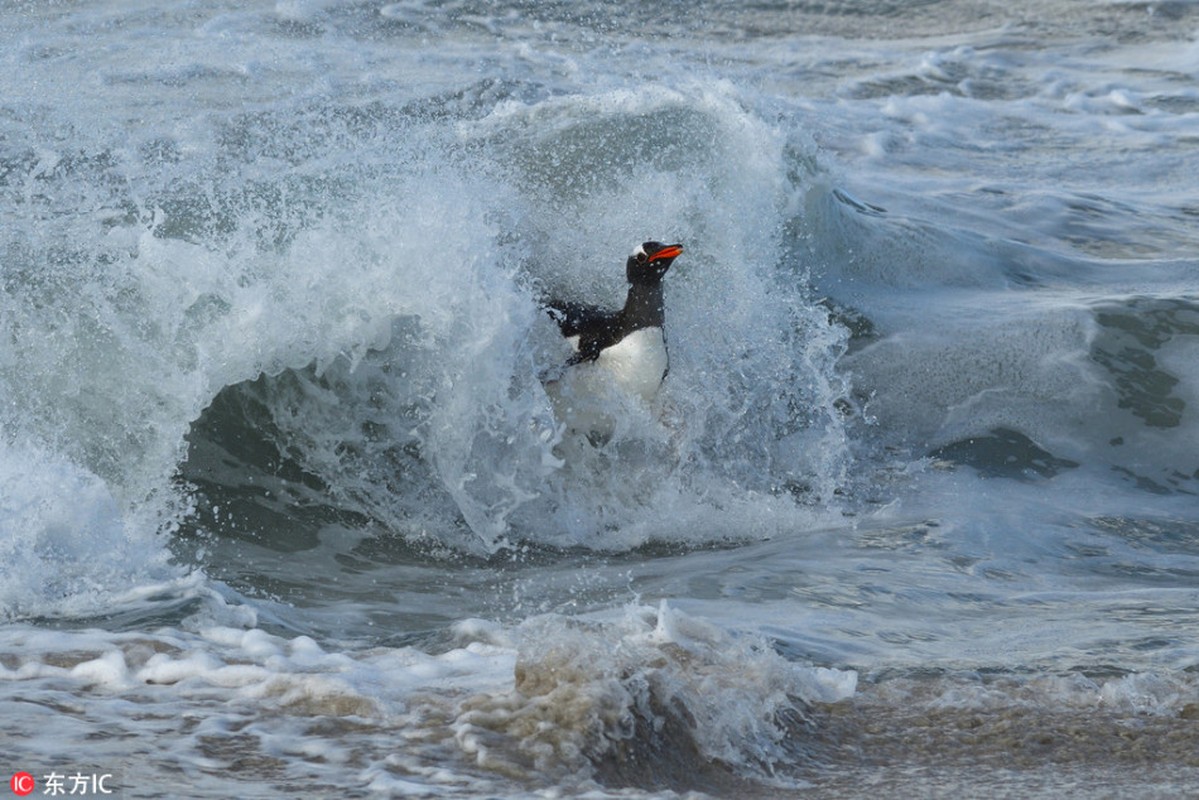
(22, 783)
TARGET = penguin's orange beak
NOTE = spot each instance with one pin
(669, 251)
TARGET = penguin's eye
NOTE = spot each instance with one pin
(641, 257)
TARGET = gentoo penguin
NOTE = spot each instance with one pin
(624, 349)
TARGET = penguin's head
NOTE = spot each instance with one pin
(650, 260)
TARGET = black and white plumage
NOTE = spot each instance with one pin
(625, 349)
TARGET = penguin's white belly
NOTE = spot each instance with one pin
(634, 366)
(637, 363)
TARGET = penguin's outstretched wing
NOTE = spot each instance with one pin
(576, 319)
(591, 328)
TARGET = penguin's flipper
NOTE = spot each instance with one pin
(576, 319)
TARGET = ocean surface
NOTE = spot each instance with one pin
(284, 508)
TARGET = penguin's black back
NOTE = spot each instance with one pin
(597, 329)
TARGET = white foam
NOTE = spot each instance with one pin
(554, 697)
(65, 546)
(302, 10)
(584, 689)
(1147, 694)
(108, 672)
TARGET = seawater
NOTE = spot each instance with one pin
(284, 507)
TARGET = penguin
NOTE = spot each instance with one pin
(623, 350)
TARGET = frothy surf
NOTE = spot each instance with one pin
(651, 698)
